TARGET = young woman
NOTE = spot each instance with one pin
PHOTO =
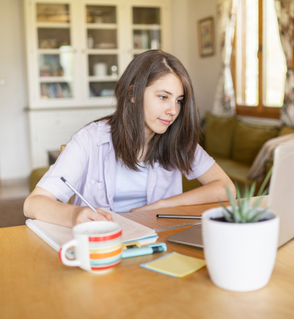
(133, 160)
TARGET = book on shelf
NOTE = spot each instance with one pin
(56, 235)
(94, 91)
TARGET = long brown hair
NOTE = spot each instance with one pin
(176, 147)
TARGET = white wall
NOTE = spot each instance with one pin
(180, 35)
(203, 70)
(14, 145)
(14, 137)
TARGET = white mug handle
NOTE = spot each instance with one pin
(63, 257)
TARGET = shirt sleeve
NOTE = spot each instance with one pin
(202, 163)
(71, 164)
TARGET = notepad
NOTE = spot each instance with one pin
(175, 265)
(56, 236)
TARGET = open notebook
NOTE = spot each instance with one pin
(56, 236)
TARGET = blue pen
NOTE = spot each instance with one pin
(150, 249)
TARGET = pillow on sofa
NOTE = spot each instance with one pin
(248, 139)
(218, 135)
(286, 130)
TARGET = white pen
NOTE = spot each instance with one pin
(76, 192)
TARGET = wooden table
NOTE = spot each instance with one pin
(35, 284)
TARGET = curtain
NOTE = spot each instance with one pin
(285, 15)
(224, 101)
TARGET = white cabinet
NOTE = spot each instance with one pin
(51, 128)
(76, 51)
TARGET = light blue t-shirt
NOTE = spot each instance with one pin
(130, 189)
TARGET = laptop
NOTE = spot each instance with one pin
(280, 200)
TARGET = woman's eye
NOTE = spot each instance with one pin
(180, 101)
(163, 97)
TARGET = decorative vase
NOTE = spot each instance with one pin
(240, 256)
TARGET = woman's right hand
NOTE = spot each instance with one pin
(43, 205)
(85, 214)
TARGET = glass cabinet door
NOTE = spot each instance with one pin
(146, 28)
(102, 50)
(55, 53)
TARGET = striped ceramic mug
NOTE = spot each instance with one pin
(97, 246)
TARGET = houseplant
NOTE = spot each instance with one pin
(240, 242)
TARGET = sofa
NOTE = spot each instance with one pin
(234, 143)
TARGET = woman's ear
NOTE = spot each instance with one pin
(130, 93)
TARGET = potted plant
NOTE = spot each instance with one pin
(240, 242)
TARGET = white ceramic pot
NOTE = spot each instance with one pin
(239, 257)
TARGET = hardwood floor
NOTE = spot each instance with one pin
(12, 197)
(14, 189)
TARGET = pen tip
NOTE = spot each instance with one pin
(63, 179)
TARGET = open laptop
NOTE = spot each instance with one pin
(280, 200)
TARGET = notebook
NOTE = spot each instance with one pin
(56, 235)
(280, 200)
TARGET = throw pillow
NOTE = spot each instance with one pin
(218, 135)
(248, 140)
(286, 130)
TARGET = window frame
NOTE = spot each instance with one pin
(260, 110)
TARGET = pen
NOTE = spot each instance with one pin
(179, 216)
(76, 192)
(150, 249)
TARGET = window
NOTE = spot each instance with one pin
(258, 62)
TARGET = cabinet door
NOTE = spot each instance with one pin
(52, 128)
(52, 53)
(149, 25)
(102, 51)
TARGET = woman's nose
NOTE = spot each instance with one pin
(172, 109)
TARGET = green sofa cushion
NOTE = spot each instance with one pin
(237, 171)
(218, 135)
(248, 138)
(36, 175)
(189, 184)
(286, 130)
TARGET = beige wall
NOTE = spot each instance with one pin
(14, 141)
(203, 71)
(14, 148)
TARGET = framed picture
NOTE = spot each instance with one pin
(206, 36)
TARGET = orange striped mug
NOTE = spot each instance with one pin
(97, 246)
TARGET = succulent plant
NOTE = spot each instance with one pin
(243, 212)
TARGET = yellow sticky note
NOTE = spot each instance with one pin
(175, 265)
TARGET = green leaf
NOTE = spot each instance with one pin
(238, 198)
(240, 204)
(252, 189)
(231, 198)
(227, 213)
(268, 175)
(258, 201)
(235, 210)
(257, 216)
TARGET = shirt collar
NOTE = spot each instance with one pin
(103, 133)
